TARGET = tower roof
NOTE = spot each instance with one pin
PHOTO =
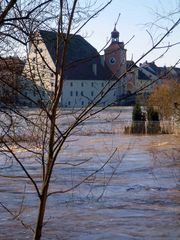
(115, 34)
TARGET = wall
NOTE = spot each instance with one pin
(79, 93)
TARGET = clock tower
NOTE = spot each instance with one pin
(115, 55)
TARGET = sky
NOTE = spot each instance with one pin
(136, 20)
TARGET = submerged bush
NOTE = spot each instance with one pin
(138, 118)
(153, 126)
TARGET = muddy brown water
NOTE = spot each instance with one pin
(135, 196)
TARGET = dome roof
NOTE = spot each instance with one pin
(115, 33)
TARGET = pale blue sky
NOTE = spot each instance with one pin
(135, 14)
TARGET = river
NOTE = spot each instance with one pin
(136, 195)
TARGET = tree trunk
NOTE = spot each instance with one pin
(40, 219)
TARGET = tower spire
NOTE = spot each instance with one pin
(117, 20)
(115, 33)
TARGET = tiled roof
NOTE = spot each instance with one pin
(150, 67)
(153, 67)
(167, 71)
(79, 59)
(177, 70)
(11, 64)
(142, 76)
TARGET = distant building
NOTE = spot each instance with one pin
(87, 74)
(147, 78)
(150, 76)
(10, 71)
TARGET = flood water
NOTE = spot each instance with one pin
(132, 192)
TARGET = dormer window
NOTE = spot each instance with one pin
(94, 68)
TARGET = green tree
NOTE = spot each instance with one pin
(137, 113)
(138, 120)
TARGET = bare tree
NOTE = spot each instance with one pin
(43, 135)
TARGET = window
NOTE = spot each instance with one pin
(44, 66)
(82, 93)
(92, 93)
(33, 67)
(71, 93)
(82, 103)
(40, 50)
(92, 84)
(52, 74)
(102, 84)
(42, 74)
(52, 84)
(76, 93)
(71, 84)
(69, 103)
(35, 51)
(82, 84)
(34, 59)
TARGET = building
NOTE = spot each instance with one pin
(149, 76)
(10, 71)
(87, 74)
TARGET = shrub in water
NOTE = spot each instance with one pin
(153, 125)
(138, 124)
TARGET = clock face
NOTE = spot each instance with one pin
(112, 60)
